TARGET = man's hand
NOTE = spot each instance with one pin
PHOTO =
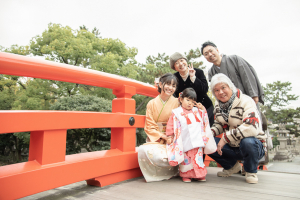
(255, 99)
(220, 146)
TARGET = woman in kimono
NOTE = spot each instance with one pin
(152, 156)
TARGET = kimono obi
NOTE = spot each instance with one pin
(191, 128)
(162, 126)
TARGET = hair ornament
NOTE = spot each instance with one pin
(180, 94)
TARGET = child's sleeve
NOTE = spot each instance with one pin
(170, 126)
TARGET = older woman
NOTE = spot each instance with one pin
(152, 156)
(189, 77)
(236, 116)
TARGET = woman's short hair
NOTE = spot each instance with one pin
(221, 78)
(167, 79)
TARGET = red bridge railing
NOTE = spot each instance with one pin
(48, 165)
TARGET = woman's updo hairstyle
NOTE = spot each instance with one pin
(221, 78)
(167, 79)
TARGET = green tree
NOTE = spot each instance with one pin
(283, 115)
(16, 49)
(156, 66)
(277, 96)
(92, 139)
(275, 142)
(85, 49)
(8, 86)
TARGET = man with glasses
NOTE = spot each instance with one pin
(240, 72)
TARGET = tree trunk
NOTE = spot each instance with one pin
(141, 104)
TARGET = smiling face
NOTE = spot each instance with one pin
(167, 89)
(181, 65)
(187, 103)
(222, 92)
(211, 54)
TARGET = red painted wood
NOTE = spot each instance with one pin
(48, 166)
(42, 148)
(18, 65)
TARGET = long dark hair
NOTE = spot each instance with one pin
(188, 93)
(167, 79)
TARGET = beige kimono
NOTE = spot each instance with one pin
(154, 110)
(152, 156)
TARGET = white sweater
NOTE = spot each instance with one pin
(243, 121)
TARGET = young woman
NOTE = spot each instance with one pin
(152, 155)
(188, 76)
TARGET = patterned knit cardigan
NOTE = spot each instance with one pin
(243, 121)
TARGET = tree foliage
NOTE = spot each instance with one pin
(80, 48)
(92, 139)
(277, 94)
(277, 97)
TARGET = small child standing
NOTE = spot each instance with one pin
(189, 137)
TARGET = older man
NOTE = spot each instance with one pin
(240, 72)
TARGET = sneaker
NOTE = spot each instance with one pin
(251, 177)
(226, 173)
(200, 179)
(186, 180)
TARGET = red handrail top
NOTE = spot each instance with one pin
(12, 64)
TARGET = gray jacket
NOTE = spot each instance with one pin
(241, 73)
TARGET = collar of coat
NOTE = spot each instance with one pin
(238, 93)
(237, 98)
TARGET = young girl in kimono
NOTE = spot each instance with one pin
(189, 137)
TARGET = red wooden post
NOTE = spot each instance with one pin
(48, 132)
(124, 139)
(41, 146)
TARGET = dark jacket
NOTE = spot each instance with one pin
(200, 86)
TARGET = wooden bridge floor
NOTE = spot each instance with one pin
(272, 185)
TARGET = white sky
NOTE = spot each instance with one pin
(265, 33)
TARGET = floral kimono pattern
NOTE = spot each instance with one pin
(193, 158)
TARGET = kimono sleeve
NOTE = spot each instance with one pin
(170, 126)
(151, 128)
(248, 77)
